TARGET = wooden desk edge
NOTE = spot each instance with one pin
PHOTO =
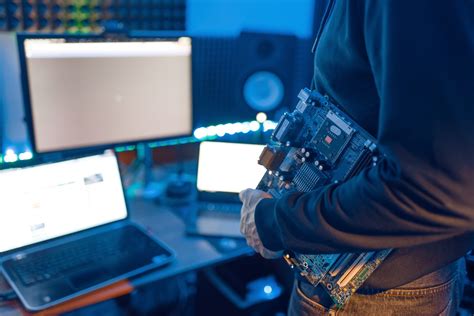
(106, 293)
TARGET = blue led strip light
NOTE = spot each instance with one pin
(202, 133)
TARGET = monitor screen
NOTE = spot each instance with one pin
(56, 199)
(95, 92)
(228, 167)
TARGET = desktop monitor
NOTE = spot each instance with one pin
(96, 91)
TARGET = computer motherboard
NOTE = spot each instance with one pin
(316, 145)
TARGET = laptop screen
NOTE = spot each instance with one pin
(228, 167)
(52, 200)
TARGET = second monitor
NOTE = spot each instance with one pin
(83, 92)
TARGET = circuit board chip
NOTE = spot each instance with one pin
(332, 137)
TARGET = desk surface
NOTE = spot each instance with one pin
(192, 253)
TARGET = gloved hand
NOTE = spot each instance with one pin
(250, 198)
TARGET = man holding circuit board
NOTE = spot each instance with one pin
(369, 193)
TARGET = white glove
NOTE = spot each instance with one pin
(250, 198)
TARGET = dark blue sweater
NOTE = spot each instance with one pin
(404, 69)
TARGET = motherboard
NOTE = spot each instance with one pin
(315, 145)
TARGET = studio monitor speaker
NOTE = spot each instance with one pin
(236, 78)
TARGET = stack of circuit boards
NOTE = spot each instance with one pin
(314, 146)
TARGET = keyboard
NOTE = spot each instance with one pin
(47, 265)
(61, 260)
(51, 274)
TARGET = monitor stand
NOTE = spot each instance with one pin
(140, 179)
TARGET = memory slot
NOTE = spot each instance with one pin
(356, 266)
(340, 264)
(363, 160)
(336, 264)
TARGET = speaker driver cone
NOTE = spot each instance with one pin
(263, 91)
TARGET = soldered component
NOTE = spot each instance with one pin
(288, 128)
(272, 157)
(309, 177)
(332, 137)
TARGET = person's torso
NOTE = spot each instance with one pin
(341, 66)
(342, 71)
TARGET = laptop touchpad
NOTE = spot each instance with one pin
(88, 278)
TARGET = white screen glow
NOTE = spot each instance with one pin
(229, 167)
(52, 200)
(91, 94)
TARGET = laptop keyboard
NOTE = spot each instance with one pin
(47, 265)
(63, 259)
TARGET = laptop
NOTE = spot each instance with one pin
(224, 169)
(65, 230)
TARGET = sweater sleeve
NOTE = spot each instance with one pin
(421, 54)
